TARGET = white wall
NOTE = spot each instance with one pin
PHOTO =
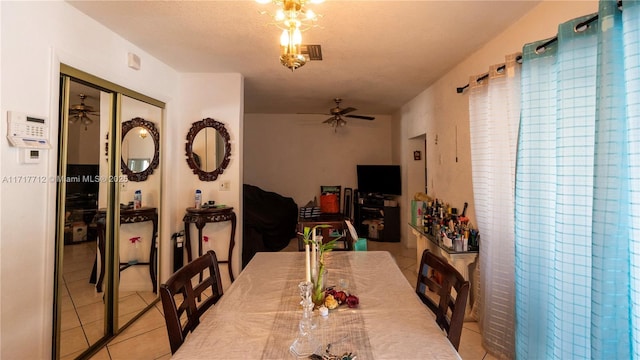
(439, 110)
(293, 155)
(217, 96)
(35, 38)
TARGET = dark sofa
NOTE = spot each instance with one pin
(269, 221)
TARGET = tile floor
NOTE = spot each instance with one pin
(82, 308)
(147, 337)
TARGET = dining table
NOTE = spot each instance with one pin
(258, 316)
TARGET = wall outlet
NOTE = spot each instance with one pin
(225, 185)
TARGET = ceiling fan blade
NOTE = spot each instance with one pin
(363, 117)
(83, 113)
(347, 110)
(329, 120)
(303, 113)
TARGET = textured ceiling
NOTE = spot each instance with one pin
(377, 55)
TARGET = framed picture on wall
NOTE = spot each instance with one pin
(417, 155)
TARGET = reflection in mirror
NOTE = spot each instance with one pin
(137, 242)
(138, 165)
(208, 149)
(140, 148)
(82, 306)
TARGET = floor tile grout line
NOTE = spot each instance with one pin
(472, 330)
(115, 341)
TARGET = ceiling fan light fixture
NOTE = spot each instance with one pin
(336, 120)
(80, 112)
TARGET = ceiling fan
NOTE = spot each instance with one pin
(81, 112)
(337, 113)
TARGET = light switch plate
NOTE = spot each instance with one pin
(225, 185)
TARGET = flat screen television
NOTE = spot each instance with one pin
(83, 179)
(379, 179)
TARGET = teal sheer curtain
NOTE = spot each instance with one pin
(577, 193)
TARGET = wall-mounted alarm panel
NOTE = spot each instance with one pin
(26, 131)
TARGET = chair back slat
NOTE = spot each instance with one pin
(183, 303)
(437, 281)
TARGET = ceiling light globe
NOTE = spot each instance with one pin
(297, 37)
(310, 15)
(284, 38)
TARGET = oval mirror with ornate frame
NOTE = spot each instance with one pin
(208, 149)
(143, 138)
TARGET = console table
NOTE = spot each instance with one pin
(130, 216)
(459, 259)
(200, 217)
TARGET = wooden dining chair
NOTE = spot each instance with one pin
(436, 279)
(185, 294)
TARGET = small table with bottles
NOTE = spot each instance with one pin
(459, 259)
(200, 217)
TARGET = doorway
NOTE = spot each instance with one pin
(417, 165)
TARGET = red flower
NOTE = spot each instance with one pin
(352, 301)
(341, 296)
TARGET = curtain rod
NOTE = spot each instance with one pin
(579, 27)
(500, 68)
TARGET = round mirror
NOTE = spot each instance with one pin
(208, 149)
(140, 149)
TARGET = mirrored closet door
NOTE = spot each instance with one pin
(82, 308)
(107, 242)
